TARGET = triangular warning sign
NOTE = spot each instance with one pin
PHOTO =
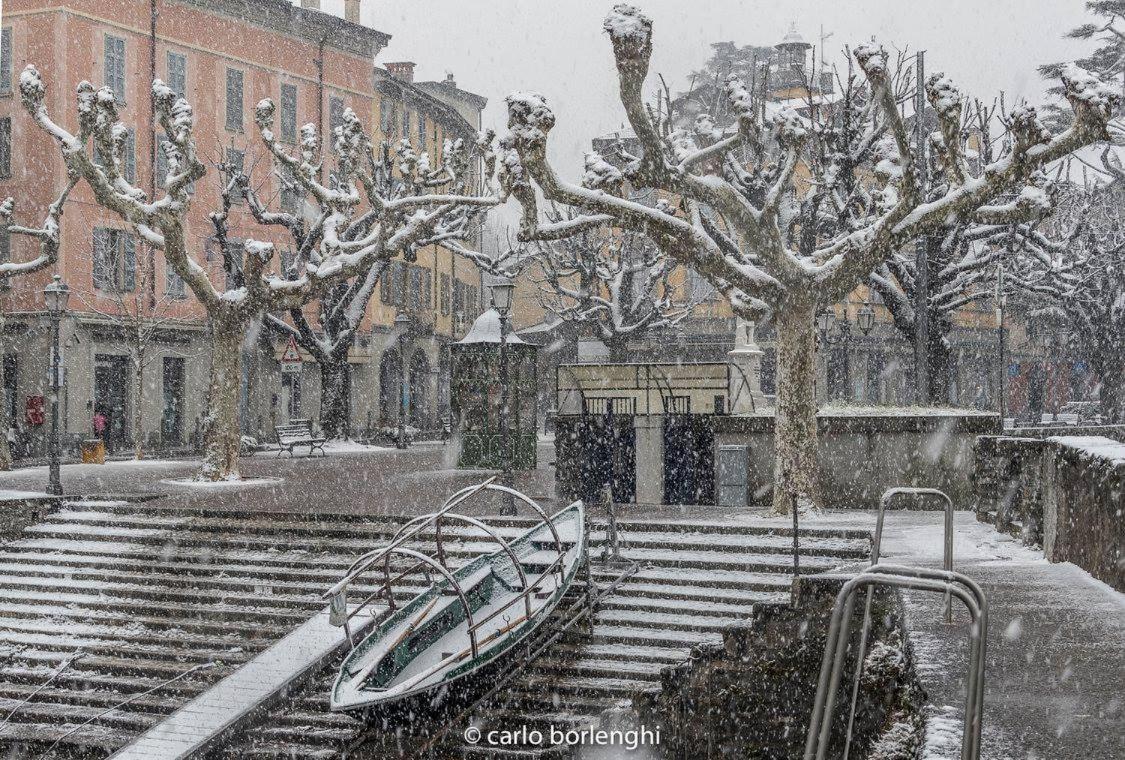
(291, 353)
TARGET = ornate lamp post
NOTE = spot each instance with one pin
(401, 332)
(832, 331)
(502, 301)
(55, 296)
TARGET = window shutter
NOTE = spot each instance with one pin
(335, 113)
(115, 66)
(5, 256)
(177, 73)
(289, 112)
(405, 124)
(385, 284)
(128, 263)
(173, 285)
(384, 117)
(421, 132)
(6, 61)
(6, 147)
(443, 294)
(161, 163)
(234, 100)
(131, 157)
(102, 266)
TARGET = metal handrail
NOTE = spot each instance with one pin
(835, 648)
(885, 499)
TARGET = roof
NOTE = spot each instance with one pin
(388, 84)
(486, 329)
(306, 23)
(439, 89)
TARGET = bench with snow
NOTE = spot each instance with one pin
(298, 433)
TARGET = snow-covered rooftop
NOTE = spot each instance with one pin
(486, 329)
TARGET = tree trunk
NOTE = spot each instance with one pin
(795, 472)
(939, 358)
(139, 388)
(1111, 393)
(335, 397)
(221, 430)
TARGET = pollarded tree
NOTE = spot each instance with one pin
(616, 285)
(1075, 271)
(396, 179)
(389, 228)
(766, 241)
(48, 235)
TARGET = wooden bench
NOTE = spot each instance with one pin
(298, 433)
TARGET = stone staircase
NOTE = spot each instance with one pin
(102, 604)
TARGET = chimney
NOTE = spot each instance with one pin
(311, 4)
(351, 10)
(403, 70)
(450, 82)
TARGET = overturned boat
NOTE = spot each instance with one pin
(438, 648)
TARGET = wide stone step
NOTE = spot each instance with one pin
(186, 687)
(661, 619)
(90, 741)
(128, 632)
(37, 712)
(649, 656)
(664, 637)
(717, 578)
(69, 644)
(703, 607)
(596, 668)
(88, 697)
(132, 666)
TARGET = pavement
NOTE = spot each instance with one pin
(1055, 675)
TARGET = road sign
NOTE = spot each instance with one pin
(291, 357)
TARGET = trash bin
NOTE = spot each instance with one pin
(93, 451)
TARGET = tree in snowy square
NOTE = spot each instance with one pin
(356, 227)
(768, 240)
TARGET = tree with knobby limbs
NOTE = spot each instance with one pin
(768, 240)
(1106, 60)
(613, 284)
(1072, 273)
(48, 235)
(392, 175)
(346, 202)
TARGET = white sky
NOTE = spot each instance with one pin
(558, 48)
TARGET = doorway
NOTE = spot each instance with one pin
(172, 414)
(689, 460)
(111, 392)
(291, 395)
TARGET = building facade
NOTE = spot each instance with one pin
(223, 56)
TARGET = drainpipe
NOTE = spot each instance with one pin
(153, 14)
(320, 96)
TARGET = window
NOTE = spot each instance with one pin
(698, 288)
(335, 113)
(234, 100)
(405, 124)
(174, 286)
(130, 157)
(115, 260)
(290, 199)
(11, 390)
(5, 256)
(6, 61)
(289, 113)
(288, 259)
(236, 160)
(5, 147)
(386, 115)
(177, 73)
(443, 294)
(392, 286)
(421, 132)
(115, 66)
(232, 265)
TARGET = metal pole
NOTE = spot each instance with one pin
(796, 540)
(403, 389)
(54, 485)
(509, 506)
(1000, 338)
(921, 252)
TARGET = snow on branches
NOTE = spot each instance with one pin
(740, 218)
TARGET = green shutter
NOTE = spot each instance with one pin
(6, 62)
(128, 263)
(131, 157)
(102, 264)
(289, 112)
(234, 100)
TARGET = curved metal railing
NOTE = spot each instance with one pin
(835, 649)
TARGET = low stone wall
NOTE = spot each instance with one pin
(1064, 493)
(1116, 432)
(19, 510)
(1084, 495)
(752, 695)
(863, 452)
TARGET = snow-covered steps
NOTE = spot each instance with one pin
(146, 593)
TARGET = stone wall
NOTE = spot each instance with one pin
(1084, 495)
(752, 695)
(1064, 493)
(17, 511)
(863, 452)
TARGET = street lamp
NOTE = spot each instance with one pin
(865, 318)
(501, 291)
(55, 296)
(401, 332)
